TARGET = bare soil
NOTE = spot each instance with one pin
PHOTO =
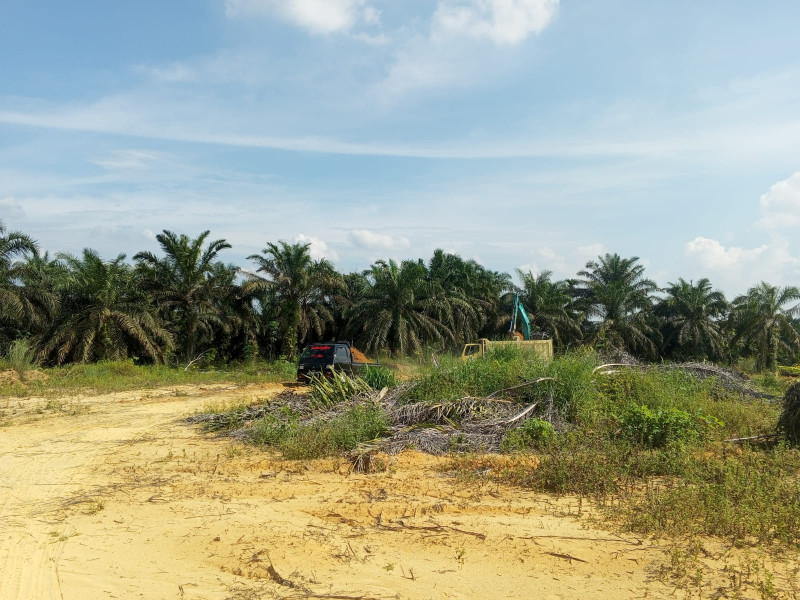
(113, 496)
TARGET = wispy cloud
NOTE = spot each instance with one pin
(364, 238)
(316, 16)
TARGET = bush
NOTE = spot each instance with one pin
(533, 433)
(656, 428)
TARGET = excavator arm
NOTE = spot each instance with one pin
(519, 309)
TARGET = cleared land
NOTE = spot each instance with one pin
(113, 496)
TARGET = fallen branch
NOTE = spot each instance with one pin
(766, 436)
(568, 557)
(521, 385)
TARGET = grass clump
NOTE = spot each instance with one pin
(655, 428)
(532, 434)
(378, 377)
(360, 423)
(20, 357)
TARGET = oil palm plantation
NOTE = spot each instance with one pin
(762, 319)
(397, 311)
(692, 316)
(301, 287)
(104, 315)
(549, 306)
(617, 299)
(191, 287)
(460, 295)
(21, 305)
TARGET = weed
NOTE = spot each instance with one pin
(654, 428)
(323, 438)
(461, 556)
(20, 357)
(532, 434)
(378, 377)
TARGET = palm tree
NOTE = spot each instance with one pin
(104, 315)
(549, 305)
(616, 292)
(301, 287)
(190, 287)
(763, 322)
(396, 312)
(692, 315)
(21, 304)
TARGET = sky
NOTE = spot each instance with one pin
(525, 134)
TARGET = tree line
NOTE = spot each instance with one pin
(185, 302)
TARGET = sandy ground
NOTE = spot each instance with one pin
(114, 497)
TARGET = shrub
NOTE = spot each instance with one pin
(533, 433)
(655, 428)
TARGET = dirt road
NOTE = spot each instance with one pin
(114, 497)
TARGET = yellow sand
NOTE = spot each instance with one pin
(113, 496)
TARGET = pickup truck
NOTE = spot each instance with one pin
(322, 357)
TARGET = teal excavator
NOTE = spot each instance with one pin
(519, 309)
(543, 348)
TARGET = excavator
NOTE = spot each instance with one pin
(543, 348)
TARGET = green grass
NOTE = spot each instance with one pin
(358, 424)
(647, 445)
(116, 376)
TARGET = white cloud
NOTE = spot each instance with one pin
(780, 206)
(318, 248)
(10, 207)
(713, 255)
(364, 238)
(148, 233)
(316, 16)
(501, 21)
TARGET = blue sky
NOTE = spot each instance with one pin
(529, 134)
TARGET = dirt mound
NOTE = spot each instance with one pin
(35, 376)
(359, 356)
(10, 376)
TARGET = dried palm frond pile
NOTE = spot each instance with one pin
(468, 424)
(729, 380)
(789, 423)
(230, 421)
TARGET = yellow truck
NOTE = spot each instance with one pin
(523, 341)
(542, 348)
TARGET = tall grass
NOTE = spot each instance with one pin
(20, 357)
(573, 392)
